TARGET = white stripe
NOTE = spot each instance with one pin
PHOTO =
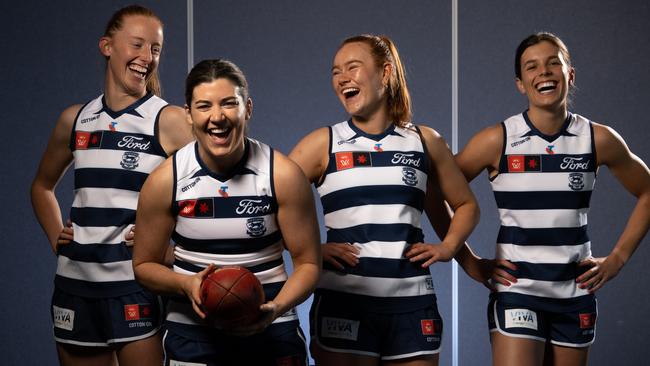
(375, 176)
(551, 289)
(531, 219)
(375, 286)
(184, 313)
(95, 272)
(268, 254)
(272, 275)
(543, 253)
(206, 186)
(210, 228)
(540, 182)
(111, 159)
(412, 354)
(373, 214)
(99, 234)
(105, 198)
(381, 249)
(570, 145)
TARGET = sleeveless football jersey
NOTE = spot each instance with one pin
(542, 193)
(373, 194)
(226, 220)
(114, 152)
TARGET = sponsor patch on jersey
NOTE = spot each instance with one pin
(63, 318)
(549, 149)
(409, 176)
(183, 363)
(352, 142)
(407, 159)
(576, 181)
(186, 208)
(202, 207)
(112, 126)
(587, 320)
(574, 163)
(428, 327)
(130, 160)
(378, 148)
(524, 163)
(255, 226)
(348, 159)
(520, 142)
(137, 311)
(223, 191)
(190, 185)
(251, 207)
(81, 140)
(340, 328)
(95, 140)
(521, 318)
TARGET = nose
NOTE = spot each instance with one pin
(217, 114)
(544, 70)
(146, 54)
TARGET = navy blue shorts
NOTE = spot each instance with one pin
(341, 327)
(99, 322)
(570, 323)
(281, 344)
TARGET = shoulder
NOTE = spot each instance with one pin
(175, 129)
(316, 139)
(69, 114)
(609, 144)
(284, 168)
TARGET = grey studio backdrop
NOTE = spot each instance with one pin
(50, 60)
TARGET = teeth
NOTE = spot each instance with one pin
(546, 86)
(349, 90)
(219, 130)
(138, 68)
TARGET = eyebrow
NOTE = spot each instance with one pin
(345, 64)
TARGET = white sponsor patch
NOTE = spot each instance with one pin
(521, 318)
(340, 328)
(181, 363)
(63, 318)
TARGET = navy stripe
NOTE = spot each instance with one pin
(382, 267)
(556, 163)
(543, 200)
(549, 236)
(376, 232)
(96, 289)
(109, 178)
(259, 268)
(239, 206)
(96, 253)
(227, 246)
(387, 158)
(99, 216)
(547, 271)
(373, 195)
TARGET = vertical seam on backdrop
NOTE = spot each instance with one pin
(454, 149)
(190, 35)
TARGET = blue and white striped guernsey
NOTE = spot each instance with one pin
(373, 194)
(226, 220)
(542, 192)
(114, 152)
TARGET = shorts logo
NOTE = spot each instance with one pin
(523, 163)
(576, 181)
(293, 360)
(428, 327)
(521, 318)
(587, 320)
(255, 226)
(340, 328)
(63, 318)
(409, 177)
(137, 311)
(348, 159)
(181, 363)
(130, 160)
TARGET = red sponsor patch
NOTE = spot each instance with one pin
(587, 320)
(293, 360)
(81, 140)
(515, 163)
(344, 160)
(428, 327)
(132, 312)
(187, 208)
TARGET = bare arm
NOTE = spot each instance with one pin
(175, 129)
(634, 175)
(56, 160)
(154, 226)
(455, 190)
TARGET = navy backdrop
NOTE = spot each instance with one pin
(50, 60)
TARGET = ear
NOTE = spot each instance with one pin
(388, 70)
(105, 46)
(249, 109)
(188, 115)
(572, 76)
(520, 86)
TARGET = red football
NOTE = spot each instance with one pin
(231, 297)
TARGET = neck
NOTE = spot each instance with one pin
(222, 164)
(375, 123)
(117, 98)
(549, 122)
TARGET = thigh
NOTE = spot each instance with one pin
(72, 355)
(513, 351)
(143, 352)
(430, 360)
(324, 357)
(566, 356)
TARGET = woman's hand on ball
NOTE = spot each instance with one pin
(269, 314)
(192, 288)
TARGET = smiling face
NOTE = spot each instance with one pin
(358, 82)
(133, 53)
(545, 76)
(218, 114)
